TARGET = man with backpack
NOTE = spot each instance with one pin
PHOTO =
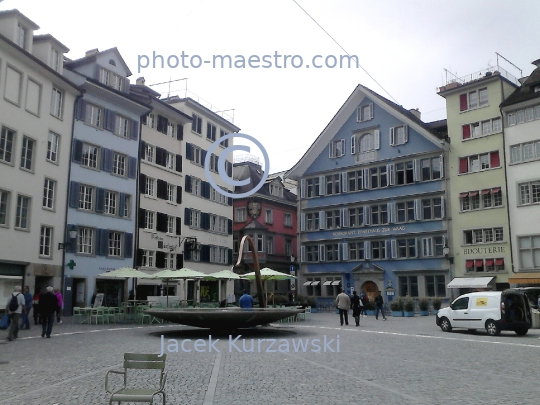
(14, 308)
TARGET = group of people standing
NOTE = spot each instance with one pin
(357, 303)
(46, 306)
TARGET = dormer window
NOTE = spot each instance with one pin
(56, 59)
(22, 35)
(111, 79)
(276, 190)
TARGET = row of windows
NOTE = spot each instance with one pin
(95, 199)
(473, 99)
(484, 265)
(207, 221)
(164, 126)
(204, 189)
(375, 214)
(529, 252)
(158, 221)
(483, 128)
(265, 244)
(101, 242)
(98, 158)
(211, 129)
(13, 92)
(197, 156)
(111, 79)
(109, 120)
(392, 174)
(210, 254)
(476, 163)
(525, 152)
(159, 259)
(8, 140)
(240, 215)
(480, 199)
(399, 248)
(161, 157)
(481, 236)
(522, 116)
(529, 192)
(157, 188)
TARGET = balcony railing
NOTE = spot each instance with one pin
(489, 71)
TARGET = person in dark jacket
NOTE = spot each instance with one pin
(25, 323)
(48, 305)
(35, 305)
(356, 305)
(379, 302)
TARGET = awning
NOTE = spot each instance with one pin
(489, 262)
(308, 283)
(469, 263)
(327, 283)
(473, 193)
(316, 283)
(486, 191)
(463, 195)
(336, 282)
(479, 263)
(470, 282)
(495, 190)
(499, 262)
(525, 278)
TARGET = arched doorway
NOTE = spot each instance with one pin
(371, 289)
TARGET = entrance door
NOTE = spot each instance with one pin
(371, 290)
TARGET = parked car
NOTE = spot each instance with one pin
(492, 310)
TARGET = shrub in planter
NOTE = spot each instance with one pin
(396, 307)
(370, 307)
(423, 306)
(408, 307)
(437, 302)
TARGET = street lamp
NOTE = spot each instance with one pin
(446, 252)
(63, 245)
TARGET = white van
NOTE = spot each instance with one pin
(492, 310)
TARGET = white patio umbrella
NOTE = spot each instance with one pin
(226, 274)
(182, 274)
(269, 274)
(125, 272)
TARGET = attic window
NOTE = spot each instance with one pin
(536, 89)
(276, 190)
(112, 62)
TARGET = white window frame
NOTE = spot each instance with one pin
(53, 142)
(119, 165)
(86, 240)
(22, 212)
(49, 194)
(115, 246)
(57, 103)
(45, 241)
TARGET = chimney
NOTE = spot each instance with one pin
(415, 112)
(91, 52)
(140, 81)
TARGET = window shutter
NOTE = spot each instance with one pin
(122, 205)
(138, 260)
(353, 145)
(162, 189)
(106, 160)
(322, 219)
(466, 131)
(345, 217)
(160, 260)
(134, 130)
(142, 150)
(367, 250)
(331, 149)
(441, 165)
(142, 183)
(339, 256)
(229, 227)
(203, 156)
(179, 194)
(205, 220)
(416, 170)
(161, 158)
(302, 222)
(229, 201)
(189, 151)
(391, 170)
(442, 206)
(179, 261)
(392, 137)
(205, 186)
(132, 167)
(463, 102)
(418, 210)
(80, 113)
(342, 141)
(205, 253)
(179, 132)
(322, 253)
(406, 133)
(303, 188)
(141, 217)
(102, 245)
(377, 139)
(344, 182)
(345, 251)
(110, 120)
(187, 216)
(494, 159)
(302, 254)
(161, 222)
(77, 151)
(126, 85)
(229, 168)
(371, 112)
(229, 256)
(391, 212)
(393, 248)
(100, 200)
(322, 185)
(128, 245)
(178, 163)
(367, 179)
(463, 165)
(367, 215)
(188, 184)
(187, 254)
(178, 226)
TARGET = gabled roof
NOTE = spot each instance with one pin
(526, 90)
(343, 114)
(92, 58)
(8, 13)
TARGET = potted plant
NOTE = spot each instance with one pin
(408, 307)
(312, 303)
(423, 306)
(437, 302)
(370, 307)
(396, 307)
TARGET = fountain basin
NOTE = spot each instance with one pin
(223, 318)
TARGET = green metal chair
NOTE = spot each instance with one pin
(140, 316)
(77, 313)
(138, 361)
(97, 314)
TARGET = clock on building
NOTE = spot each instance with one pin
(254, 209)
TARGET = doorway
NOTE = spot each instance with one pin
(371, 290)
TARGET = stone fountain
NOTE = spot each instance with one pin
(229, 319)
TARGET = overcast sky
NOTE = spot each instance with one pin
(404, 45)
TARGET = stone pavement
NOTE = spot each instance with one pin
(400, 361)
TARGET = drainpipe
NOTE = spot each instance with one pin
(62, 286)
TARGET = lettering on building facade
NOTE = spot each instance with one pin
(356, 232)
(480, 250)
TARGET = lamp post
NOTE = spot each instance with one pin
(72, 236)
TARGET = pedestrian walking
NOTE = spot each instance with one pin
(379, 301)
(343, 303)
(25, 324)
(48, 305)
(35, 305)
(14, 308)
(60, 299)
(356, 306)
(363, 299)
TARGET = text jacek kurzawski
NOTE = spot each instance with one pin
(242, 345)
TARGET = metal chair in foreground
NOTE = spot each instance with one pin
(138, 361)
